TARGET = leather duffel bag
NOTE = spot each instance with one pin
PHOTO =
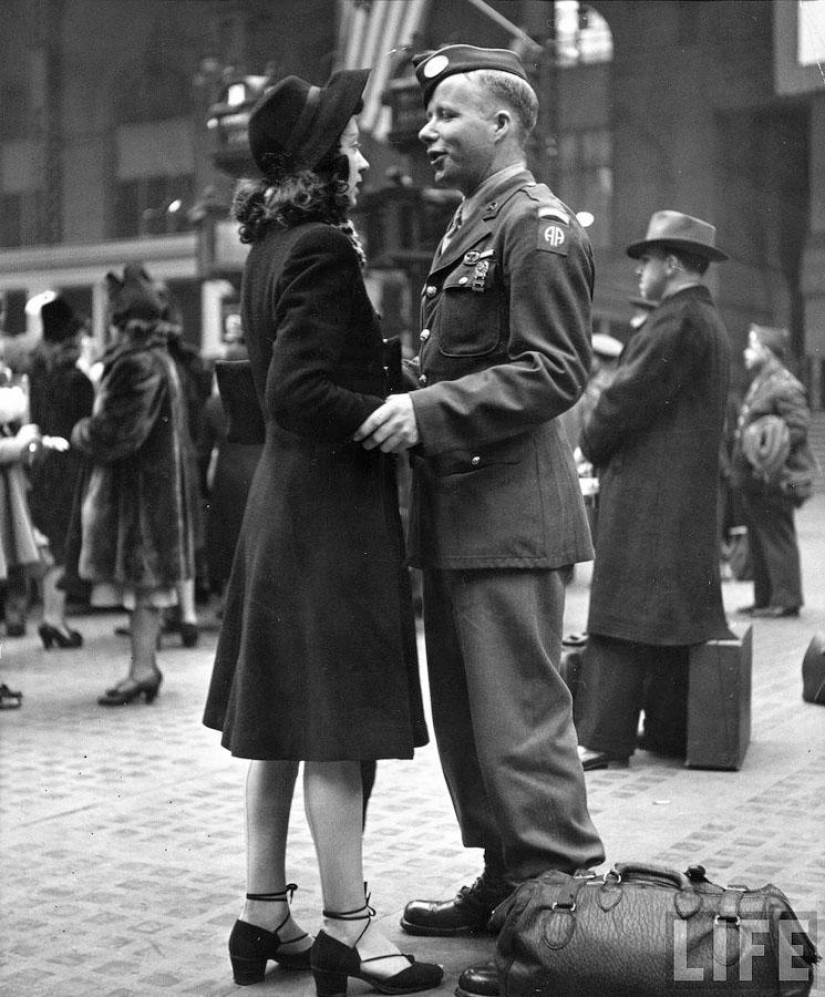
(648, 931)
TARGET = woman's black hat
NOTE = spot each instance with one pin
(295, 124)
(59, 320)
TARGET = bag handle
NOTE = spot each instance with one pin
(653, 873)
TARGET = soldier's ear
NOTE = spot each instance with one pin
(503, 123)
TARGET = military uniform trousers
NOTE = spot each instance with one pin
(502, 718)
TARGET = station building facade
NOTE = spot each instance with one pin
(107, 143)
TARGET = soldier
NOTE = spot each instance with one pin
(496, 505)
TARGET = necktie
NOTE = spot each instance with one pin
(452, 229)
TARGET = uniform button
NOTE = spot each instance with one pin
(463, 280)
(431, 290)
(425, 335)
(422, 379)
(475, 461)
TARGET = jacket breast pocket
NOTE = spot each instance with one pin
(474, 316)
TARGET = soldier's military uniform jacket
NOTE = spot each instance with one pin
(504, 350)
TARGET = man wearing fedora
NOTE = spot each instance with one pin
(496, 507)
(655, 436)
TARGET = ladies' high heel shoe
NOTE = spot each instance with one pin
(54, 635)
(129, 690)
(250, 947)
(333, 961)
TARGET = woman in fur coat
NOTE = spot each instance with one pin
(136, 524)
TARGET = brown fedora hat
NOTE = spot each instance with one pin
(672, 228)
(295, 124)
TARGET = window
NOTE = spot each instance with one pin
(153, 205)
(582, 35)
(15, 118)
(21, 219)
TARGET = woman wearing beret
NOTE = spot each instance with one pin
(772, 430)
(316, 660)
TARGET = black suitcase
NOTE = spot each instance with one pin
(719, 703)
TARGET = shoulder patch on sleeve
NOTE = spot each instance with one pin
(553, 236)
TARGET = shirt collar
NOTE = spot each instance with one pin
(472, 203)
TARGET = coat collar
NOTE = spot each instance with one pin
(154, 338)
(477, 226)
(694, 291)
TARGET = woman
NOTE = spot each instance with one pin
(22, 547)
(316, 659)
(773, 471)
(60, 395)
(136, 536)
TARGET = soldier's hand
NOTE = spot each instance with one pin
(392, 426)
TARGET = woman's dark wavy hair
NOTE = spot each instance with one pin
(287, 197)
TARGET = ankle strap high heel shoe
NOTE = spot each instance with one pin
(250, 947)
(333, 961)
(54, 635)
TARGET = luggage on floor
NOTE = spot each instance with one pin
(719, 703)
(647, 931)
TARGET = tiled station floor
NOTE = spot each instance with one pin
(122, 837)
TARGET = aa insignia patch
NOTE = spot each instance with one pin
(553, 236)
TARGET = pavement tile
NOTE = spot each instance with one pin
(122, 838)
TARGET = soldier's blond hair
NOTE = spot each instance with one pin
(516, 93)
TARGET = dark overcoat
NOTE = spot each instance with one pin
(505, 349)
(316, 658)
(60, 395)
(655, 436)
(136, 527)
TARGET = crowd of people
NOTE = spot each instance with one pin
(316, 660)
(107, 464)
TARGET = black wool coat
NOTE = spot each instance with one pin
(316, 658)
(60, 395)
(655, 435)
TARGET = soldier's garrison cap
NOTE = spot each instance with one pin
(433, 67)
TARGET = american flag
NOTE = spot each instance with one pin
(373, 34)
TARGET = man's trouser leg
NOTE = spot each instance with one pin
(609, 695)
(502, 717)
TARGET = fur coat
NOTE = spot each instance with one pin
(136, 520)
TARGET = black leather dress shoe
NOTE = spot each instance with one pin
(466, 914)
(592, 760)
(478, 981)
